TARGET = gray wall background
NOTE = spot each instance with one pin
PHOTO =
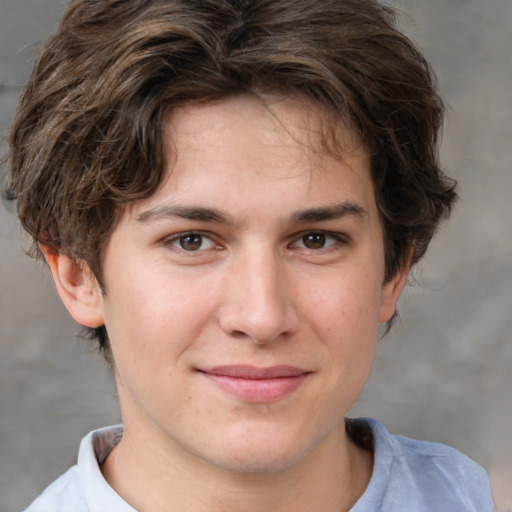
(442, 374)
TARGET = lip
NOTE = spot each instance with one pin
(257, 385)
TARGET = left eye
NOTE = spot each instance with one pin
(192, 242)
(316, 240)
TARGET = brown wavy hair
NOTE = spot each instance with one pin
(87, 136)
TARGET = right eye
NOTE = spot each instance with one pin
(191, 242)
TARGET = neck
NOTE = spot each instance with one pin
(149, 478)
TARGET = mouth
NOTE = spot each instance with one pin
(257, 385)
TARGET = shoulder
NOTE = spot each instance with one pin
(63, 494)
(441, 468)
(83, 488)
(424, 475)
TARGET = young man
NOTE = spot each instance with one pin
(230, 195)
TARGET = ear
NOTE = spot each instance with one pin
(391, 292)
(77, 287)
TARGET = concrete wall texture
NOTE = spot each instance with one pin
(442, 374)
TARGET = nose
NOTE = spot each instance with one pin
(259, 302)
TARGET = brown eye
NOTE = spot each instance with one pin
(320, 240)
(191, 242)
(314, 240)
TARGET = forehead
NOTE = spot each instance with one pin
(265, 119)
(252, 146)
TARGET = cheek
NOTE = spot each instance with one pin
(348, 305)
(344, 317)
(155, 312)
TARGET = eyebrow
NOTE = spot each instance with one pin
(169, 211)
(202, 214)
(335, 211)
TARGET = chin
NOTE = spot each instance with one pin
(259, 453)
(263, 461)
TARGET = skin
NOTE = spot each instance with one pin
(285, 267)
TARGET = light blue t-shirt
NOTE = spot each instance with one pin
(408, 476)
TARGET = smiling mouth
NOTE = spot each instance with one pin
(257, 385)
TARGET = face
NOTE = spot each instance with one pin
(243, 298)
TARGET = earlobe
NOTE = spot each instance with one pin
(76, 286)
(391, 292)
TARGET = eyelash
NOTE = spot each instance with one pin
(174, 240)
(336, 238)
